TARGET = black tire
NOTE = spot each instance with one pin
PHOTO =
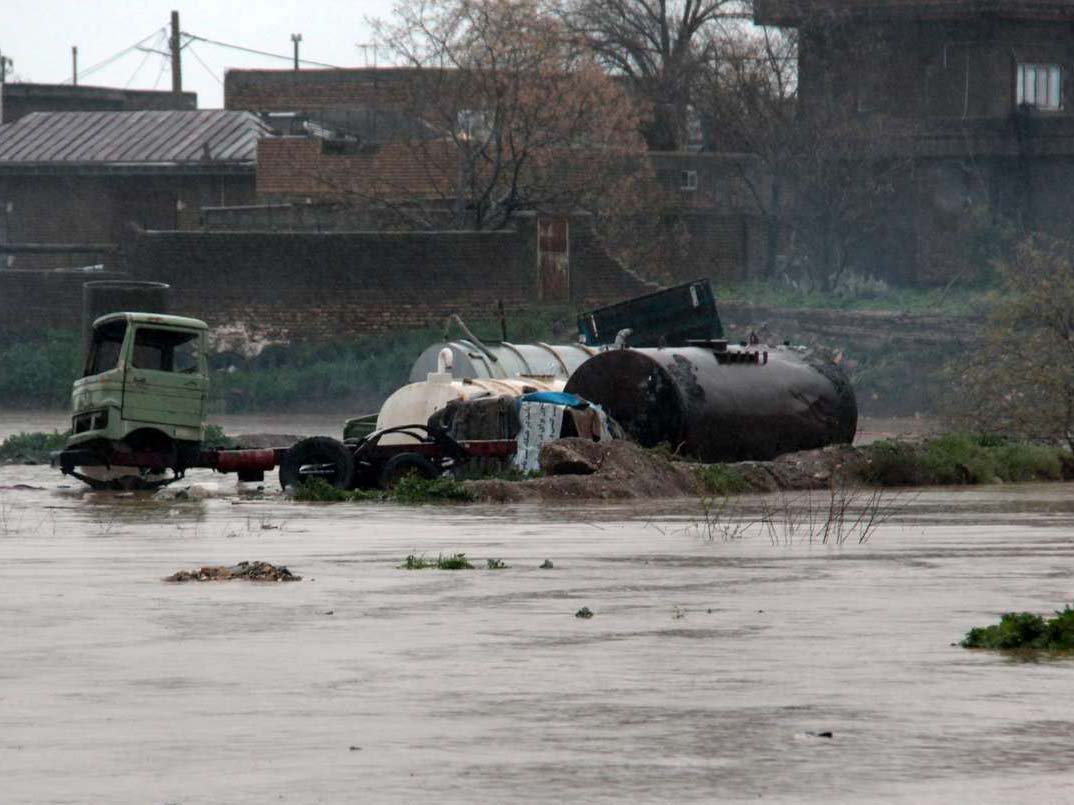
(403, 464)
(335, 459)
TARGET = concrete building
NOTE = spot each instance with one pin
(980, 93)
(72, 183)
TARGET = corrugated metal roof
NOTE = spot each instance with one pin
(177, 138)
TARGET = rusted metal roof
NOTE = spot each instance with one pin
(202, 141)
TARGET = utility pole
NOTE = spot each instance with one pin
(296, 38)
(5, 64)
(177, 63)
(74, 65)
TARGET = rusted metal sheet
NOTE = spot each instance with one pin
(553, 259)
(733, 404)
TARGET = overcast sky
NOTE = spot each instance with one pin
(37, 36)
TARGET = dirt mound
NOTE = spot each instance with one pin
(250, 571)
(620, 470)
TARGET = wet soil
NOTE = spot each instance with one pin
(711, 670)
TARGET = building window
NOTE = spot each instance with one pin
(688, 181)
(1039, 86)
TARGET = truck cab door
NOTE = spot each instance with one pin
(166, 382)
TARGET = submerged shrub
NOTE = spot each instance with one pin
(721, 480)
(1025, 631)
(413, 488)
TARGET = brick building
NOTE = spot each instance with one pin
(72, 183)
(980, 94)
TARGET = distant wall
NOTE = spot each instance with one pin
(32, 302)
(321, 286)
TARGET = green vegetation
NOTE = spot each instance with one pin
(318, 490)
(357, 374)
(30, 448)
(38, 373)
(457, 561)
(411, 490)
(495, 564)
(721, 480)
(1025, 631)
(858, 294)
(216, 439)
(957, 458)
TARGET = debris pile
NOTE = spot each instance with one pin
(250, 571)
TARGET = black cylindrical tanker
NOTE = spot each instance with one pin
(114, 296)
(721, 403)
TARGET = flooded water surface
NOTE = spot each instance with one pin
(711, 669)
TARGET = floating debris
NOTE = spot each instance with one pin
(584, 612)
(547, 564)
(250, 571)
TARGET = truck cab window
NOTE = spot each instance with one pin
(165, 351)
(105, 349)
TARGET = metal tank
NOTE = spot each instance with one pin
(720, 403)
(503, 360)
(115, 296)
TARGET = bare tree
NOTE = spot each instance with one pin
(1020, 382)
(823, 172)
(659, 46)
(518, 115)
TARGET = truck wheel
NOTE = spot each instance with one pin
(318, 457)
(399, 466)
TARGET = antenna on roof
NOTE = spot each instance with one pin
(366, 48)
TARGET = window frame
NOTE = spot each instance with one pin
(1033, 79)
(688, 180)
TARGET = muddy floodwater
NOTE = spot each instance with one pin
(712, 668)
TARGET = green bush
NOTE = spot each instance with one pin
(38, 372)
(1025, 631)
(957, 458)
(413, 489)
(31, 448)
(1028, 462)
(719, 479)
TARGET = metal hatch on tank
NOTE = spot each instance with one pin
(722, 403)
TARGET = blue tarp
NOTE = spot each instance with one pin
(555, 398)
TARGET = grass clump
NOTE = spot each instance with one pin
(496, 564)
(410, 490)
(413, 489)
(721, 480)
(958, 458)
(30, 448)
(1025, 631)
(456, 561)
(318, 490)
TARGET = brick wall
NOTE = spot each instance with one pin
(34, 301)
(308, 90)
(325, 286)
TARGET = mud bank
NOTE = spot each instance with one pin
(575, 469)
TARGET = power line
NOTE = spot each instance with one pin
(145, 58)
(194, 53)
(118, 55)
(258, 52)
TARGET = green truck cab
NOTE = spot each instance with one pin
(143, 388)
